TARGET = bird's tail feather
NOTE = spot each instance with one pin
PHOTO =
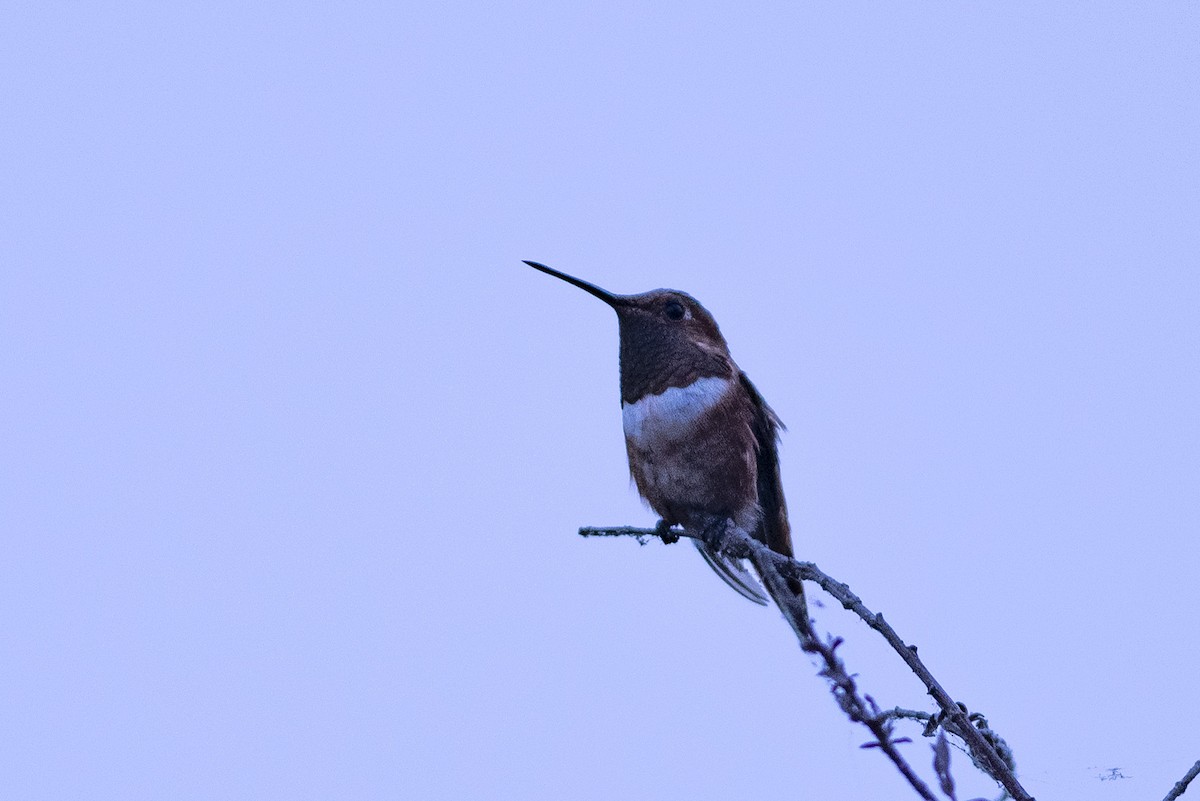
(732, 572)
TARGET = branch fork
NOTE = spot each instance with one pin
(986, 749)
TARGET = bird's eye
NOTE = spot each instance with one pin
(674, 310)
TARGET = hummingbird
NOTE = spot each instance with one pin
(702, 443)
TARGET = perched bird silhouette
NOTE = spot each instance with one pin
(702, 442)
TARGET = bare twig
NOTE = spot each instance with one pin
(899, 713)
(860, 709)
(1182, 785)
(987, 750)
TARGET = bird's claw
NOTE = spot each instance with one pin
(662, 529)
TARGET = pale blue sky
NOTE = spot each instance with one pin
(295, 446)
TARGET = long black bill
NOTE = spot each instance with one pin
(603, 294)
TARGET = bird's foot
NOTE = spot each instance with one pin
(715, 545)
(662, 529)
(714, 533)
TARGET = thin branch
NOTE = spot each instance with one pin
(900, 713)
(986, 749)
(860, 709)
(1182, 785)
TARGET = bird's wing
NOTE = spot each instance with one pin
(774, 530)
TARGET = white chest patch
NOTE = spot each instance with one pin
(669, 414)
